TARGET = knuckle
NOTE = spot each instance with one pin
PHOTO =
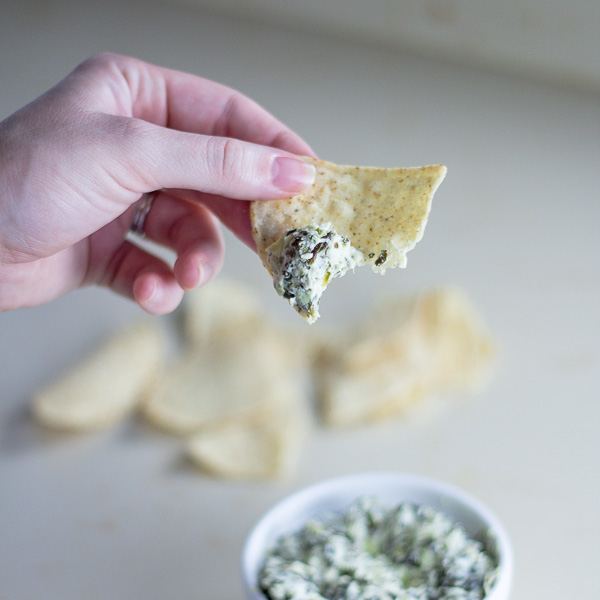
(104, 63)
(135, 128)
(132, 132)
(99, 61)
(225, 158)
(283, 139)
(102, 58)
(126, 136)
(131, 150)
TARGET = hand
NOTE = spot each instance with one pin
(75, 162)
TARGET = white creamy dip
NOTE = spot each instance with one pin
(375, 552)
(304, 260)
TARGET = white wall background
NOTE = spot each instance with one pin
(547, 38)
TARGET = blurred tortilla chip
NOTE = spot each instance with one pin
(408, 350)
(107, 385)
(223, 307)
(257, 448)
(235, 377)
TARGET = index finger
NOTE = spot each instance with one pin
(186, 102)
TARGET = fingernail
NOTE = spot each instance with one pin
(292, 174)
(147, 292)
(204, 273)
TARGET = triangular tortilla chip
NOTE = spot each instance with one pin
(376, 214)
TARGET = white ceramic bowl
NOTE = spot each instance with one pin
(291, 514)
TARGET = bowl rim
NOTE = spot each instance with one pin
(307, 499)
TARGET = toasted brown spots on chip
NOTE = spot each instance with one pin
(378, 209)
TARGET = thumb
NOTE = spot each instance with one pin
(216, 165)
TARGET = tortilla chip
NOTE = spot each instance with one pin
(106, 386)
(381, 212)
(235, 377)
(463, 348)
(220, 308)
(352, 400)
(409, 350)
(259, 448)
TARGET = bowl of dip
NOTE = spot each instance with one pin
(384, 535)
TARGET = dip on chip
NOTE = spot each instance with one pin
(351, 216)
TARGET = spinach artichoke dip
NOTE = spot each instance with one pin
(304, 260)
(374, 552)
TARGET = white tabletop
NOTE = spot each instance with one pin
(119, 514)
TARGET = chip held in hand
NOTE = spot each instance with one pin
(351, 216)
